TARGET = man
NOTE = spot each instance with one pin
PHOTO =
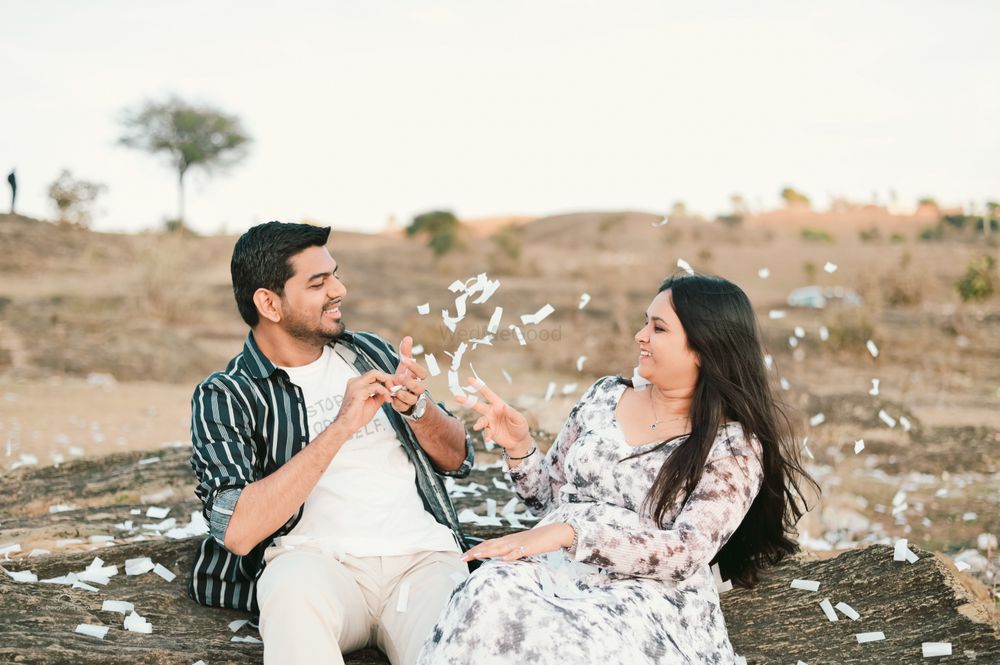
(318, 455)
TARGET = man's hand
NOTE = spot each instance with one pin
(539, 540)
(363, 397)
(409, 378)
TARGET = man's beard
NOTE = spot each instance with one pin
(303, 330)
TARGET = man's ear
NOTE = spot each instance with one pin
(268, 304)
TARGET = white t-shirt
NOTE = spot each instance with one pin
(366, 502)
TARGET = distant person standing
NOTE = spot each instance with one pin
(12, 181)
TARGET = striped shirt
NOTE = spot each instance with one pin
(250, 419)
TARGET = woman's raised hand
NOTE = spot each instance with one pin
(499, 421)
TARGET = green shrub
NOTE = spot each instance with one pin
(980, 281)
(816, 235)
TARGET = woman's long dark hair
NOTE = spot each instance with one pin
(732, 385)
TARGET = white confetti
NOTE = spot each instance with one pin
(824, 333)
(872, 349)
(776, 314)
(518, 334)
(417, 350)
(403, 599)
(906, 424)
(870, 637)
(61, 508)
(817, 420)
(579, 363)
(22, 576)
(848, 611)
(138, 566)
(969, 517)
(768, 361)
(764, 273)
(569, 389)
(506, 375)
(164, 572)
(828, 609)
(149, 460)
(793, 342)
(424, 309)
(886, 418)
(494, 325)
(584, 299)
(92, 631)
(491, 508)
(685, 266)
(800, 332)
(962, 566)
(932, 649)
(137, 624)
(662, 222)
(157, 513)
(12, 548)
(903, 553)
(550, 391)
(805, 585)
(874, 391)
(805, 448)
(120, 606)
(830, 267)
(538, 316)
(859, 445)
(249, 639)
(432, 364)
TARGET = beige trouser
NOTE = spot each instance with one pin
(314, 607)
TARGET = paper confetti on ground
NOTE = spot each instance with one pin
(584, 299)
(92, 631)
(805, 585)
(870, 637)
(830, 267)
(828, 610)
(859, 445)
(249, 639)
(886, 418)
(776, 314)
(550, 391)
(579, 363)
(424, 309)
(764, 273)
(137, 624)
(874, 391)
(872, 349)
(22, 576)
(817, 420)
(157, 513)
(164, 572)
(903, 553)
(824, 333)
(120, 606)
(932, 649)
(848, 611)
(518, 334)
(138, 566)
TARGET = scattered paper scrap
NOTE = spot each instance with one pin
(494, 324)
(824, 333)
(776, 314)
(424, 309)
(157, 513)
(874, 391)
(137, 624)
(886, 418)
(903, 553)
(817, 420)
(830, 267)
(685, 266)
(550, 391)
(432, 364)
(870, 637)
(848, 611)
(805, 585)
(22, 576)
(859, 445)
(120, 606)
(518, 334)
(164, 572)
(828, 609)
(138, 566)
(506, 375)
(579, 363)
(872, 349)
(249, 639)
(764, 273)
(92, 631)
(932, 649)
(584, 299)
(538, 316)
(149, 460)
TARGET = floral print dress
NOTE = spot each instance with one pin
(634, 592)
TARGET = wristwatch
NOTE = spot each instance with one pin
(418, 410)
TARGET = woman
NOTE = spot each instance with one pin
(643, 488)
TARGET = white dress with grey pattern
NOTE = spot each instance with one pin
(635, 593)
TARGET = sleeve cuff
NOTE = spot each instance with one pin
(222, 511)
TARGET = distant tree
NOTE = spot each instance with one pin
(188, 135)
(927, 201)
(791, 195)
(440, 227)
(679, 209)
(992, 207)
(73, 198)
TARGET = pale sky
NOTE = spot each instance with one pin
(365, 109)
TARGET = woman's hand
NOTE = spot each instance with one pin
(539, 540)
(500, 422)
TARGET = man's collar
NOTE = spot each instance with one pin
(259, 366)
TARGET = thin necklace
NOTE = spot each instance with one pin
(659, 420)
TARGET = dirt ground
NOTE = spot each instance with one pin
(103, 337)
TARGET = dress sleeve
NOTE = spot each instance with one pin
(537, 480)
(719, 502)
(223, 454)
